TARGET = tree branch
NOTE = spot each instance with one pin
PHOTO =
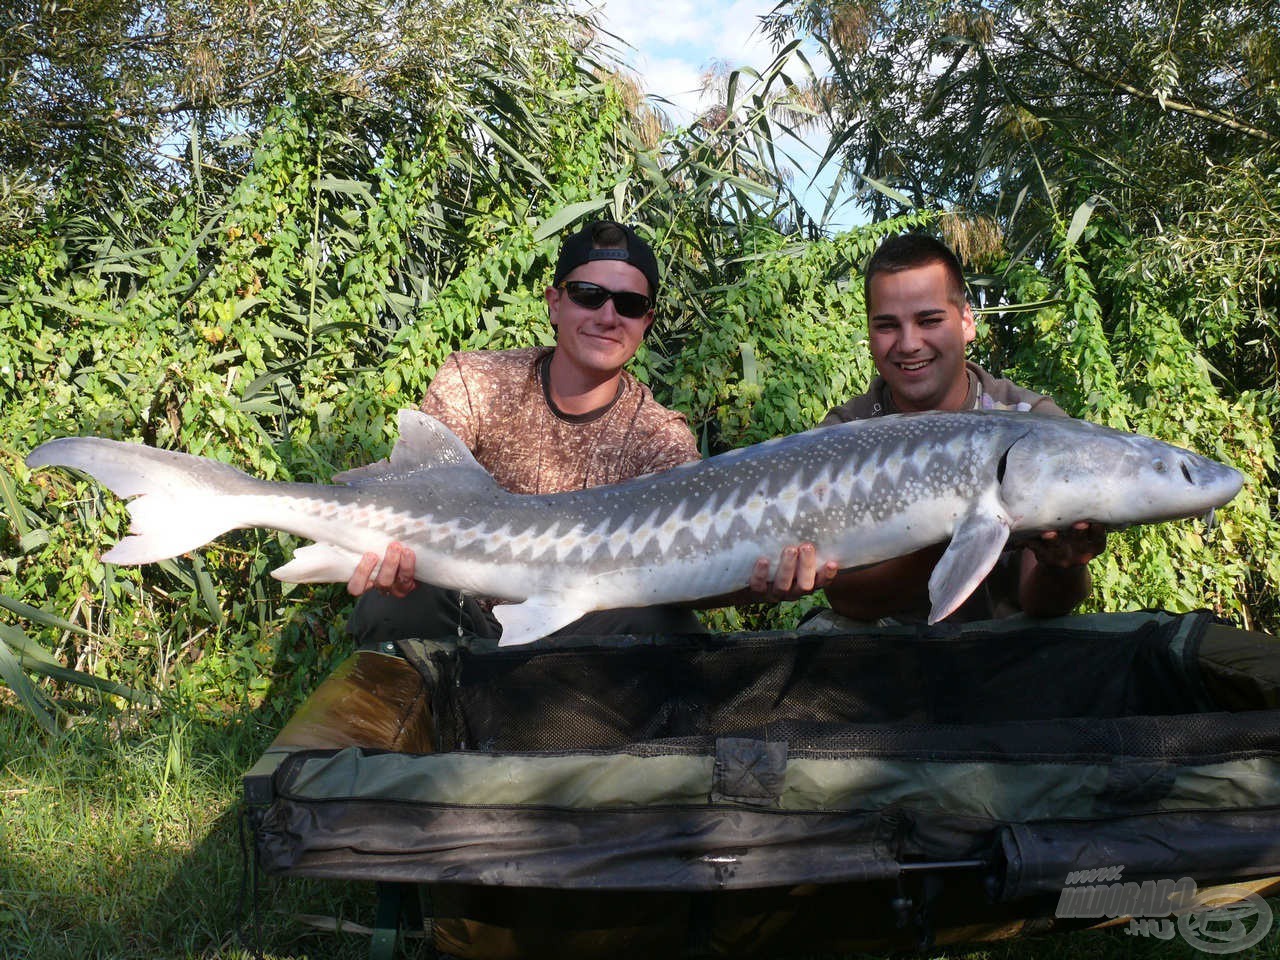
(1178, 107)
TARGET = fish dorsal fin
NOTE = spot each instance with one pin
(974, 549)
(425, 443)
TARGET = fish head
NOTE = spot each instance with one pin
(1061, 471)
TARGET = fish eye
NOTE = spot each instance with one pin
(1159, 466)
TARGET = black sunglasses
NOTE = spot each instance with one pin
(593, 297)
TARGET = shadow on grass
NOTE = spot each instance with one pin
(122, 840)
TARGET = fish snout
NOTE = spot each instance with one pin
(1216, 482)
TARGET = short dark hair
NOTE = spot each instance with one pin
(907, 251)
(607, 240)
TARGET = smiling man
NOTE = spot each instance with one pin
(919, 322)
(549, 420)
(546, 420)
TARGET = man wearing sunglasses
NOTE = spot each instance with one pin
(550, 420)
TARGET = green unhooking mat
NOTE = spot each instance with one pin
(773, 793)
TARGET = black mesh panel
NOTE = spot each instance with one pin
(1040, 692)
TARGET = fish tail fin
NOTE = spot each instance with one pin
(162, 527)
(182, 502)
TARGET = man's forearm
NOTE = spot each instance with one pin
(887, 588)
(1045, 590)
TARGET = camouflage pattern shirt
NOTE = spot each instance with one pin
(499, 404)
(985, 393)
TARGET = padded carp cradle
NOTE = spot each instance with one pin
(767, 794)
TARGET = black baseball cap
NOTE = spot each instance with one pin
(593, 242)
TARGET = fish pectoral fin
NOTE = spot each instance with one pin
(318, 563)
(974, 549)
(533, 619)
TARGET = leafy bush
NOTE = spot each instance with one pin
(277, 317)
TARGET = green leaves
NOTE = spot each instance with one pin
(20, 655)
(12, 673)
(557, 223)
(275, 300)
(1021, 110)
(1116, 349)
(1079, 220)
(1164, 76)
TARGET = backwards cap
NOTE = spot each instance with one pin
(588, 244)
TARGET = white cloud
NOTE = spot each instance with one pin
(676, 41)
(640, 24)
(738, 35)
(680, 82)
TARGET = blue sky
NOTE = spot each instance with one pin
(674, 43)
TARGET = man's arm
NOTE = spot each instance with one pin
(391, 574)
(1054, 575)
(885, 589)
(449, 400)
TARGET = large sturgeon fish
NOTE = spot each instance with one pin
(861, 492)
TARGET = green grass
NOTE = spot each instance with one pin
(120, 840)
